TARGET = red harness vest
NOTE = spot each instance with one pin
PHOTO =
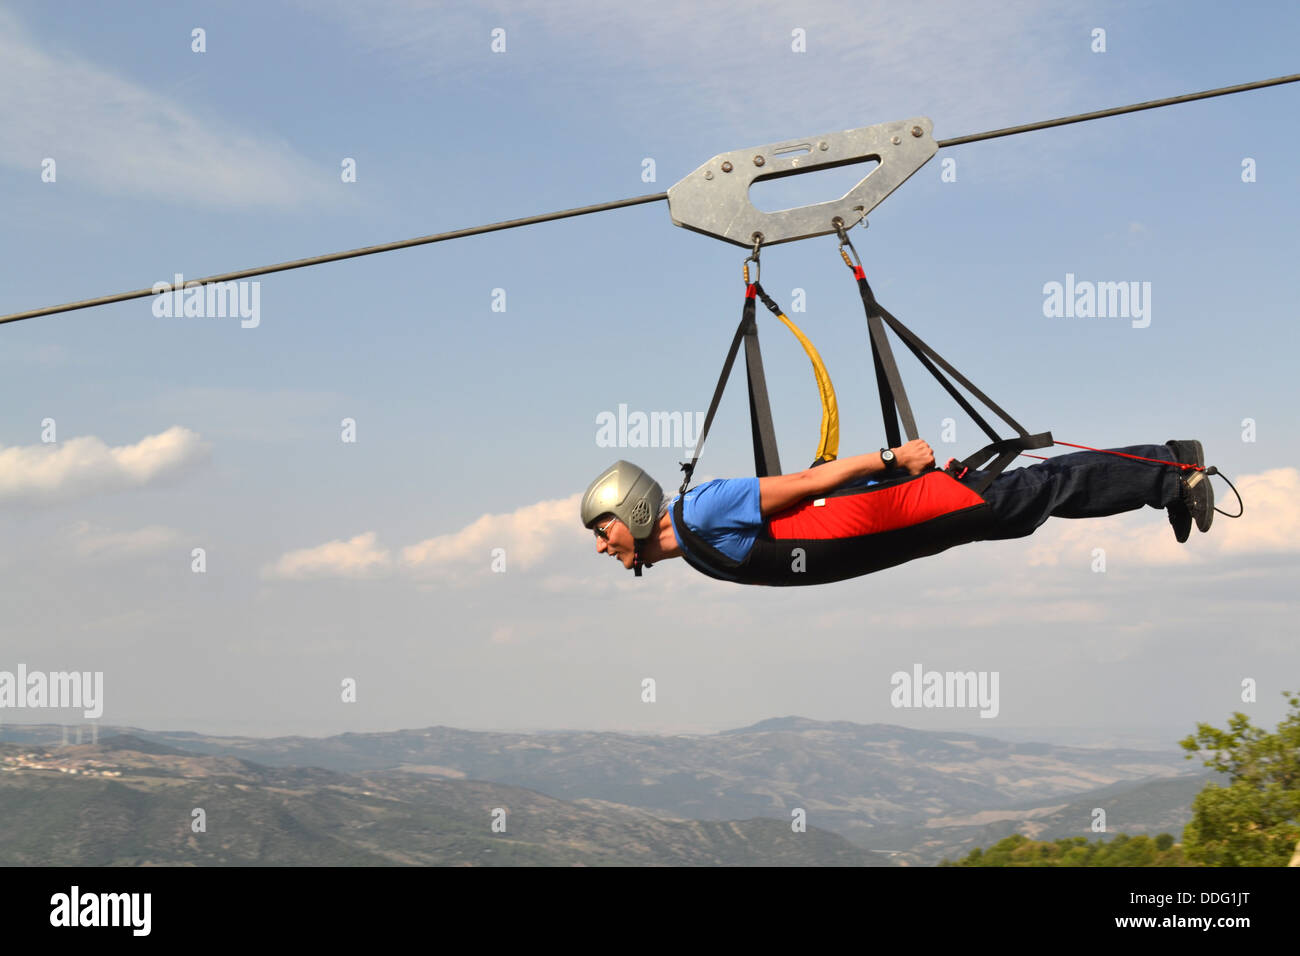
(848, 533)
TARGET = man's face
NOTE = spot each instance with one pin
(619, 544)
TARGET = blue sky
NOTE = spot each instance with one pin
(476, 428)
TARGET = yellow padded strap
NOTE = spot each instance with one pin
(828, 448)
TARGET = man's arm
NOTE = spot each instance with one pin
(779, 492)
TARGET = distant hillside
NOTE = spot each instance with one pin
(138, 744)
(104, 805)
(1151, 807)
(917, 795)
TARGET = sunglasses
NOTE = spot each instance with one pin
(601, 533)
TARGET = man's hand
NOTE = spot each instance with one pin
(915, 457)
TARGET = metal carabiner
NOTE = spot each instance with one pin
(840, 231)
(753, 257)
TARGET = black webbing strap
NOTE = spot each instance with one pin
(766, 460)
(760, 411)
(889, 383)
(920, 349)
(1006, 451)
(917, 348)
(893, 397)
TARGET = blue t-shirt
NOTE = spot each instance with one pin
(724, 512)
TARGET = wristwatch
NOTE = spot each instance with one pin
(889, 458)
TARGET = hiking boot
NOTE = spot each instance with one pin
(1198, 497)
(1187, 452)
(1195, 494)
(1180, 518)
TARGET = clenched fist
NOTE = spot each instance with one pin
(915, 457)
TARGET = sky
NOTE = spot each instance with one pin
(475, 372)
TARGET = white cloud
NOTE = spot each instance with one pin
(1145, 538)
(355, 558)
(94, 543)
(86, 465)
(121, 137)
(527, 534)
(1270, 524)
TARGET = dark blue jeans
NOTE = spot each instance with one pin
(1085, 484)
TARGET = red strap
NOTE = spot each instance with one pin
(749, 290)
(858, 273)
(1107, 451)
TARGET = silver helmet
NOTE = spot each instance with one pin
(629, 494)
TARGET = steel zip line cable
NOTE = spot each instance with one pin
(618, 204)
(336, 256)
(1118, 110)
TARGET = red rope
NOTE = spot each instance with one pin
(1107, 451)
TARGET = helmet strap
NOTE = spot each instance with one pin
(637, 562)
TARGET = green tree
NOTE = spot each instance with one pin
(1123, 850)
(1255, 819)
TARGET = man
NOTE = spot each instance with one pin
(636, 525)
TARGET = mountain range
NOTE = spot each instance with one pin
(871, 794)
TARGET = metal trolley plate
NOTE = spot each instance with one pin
(715, 200)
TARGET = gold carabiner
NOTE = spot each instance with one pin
(840, 231)
(753, 257)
